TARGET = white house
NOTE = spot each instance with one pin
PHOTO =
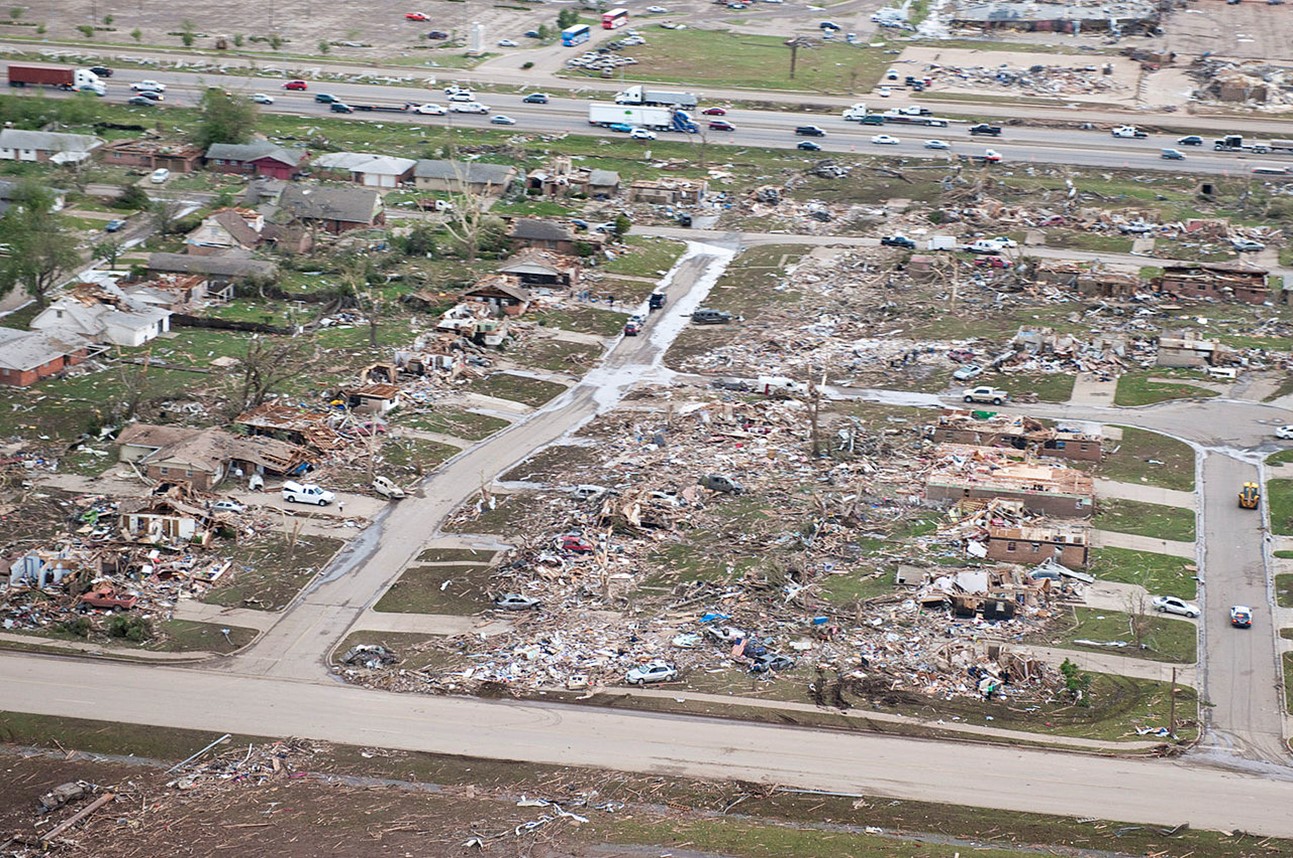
(371, 171)
(103, 315)
(17, 144)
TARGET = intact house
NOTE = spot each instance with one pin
(1223, 281)
(548, 235)
(226, 230)
(1066, 544)
(498, 293)
(542, 269)
(334, 210)
(371, 171)
(28, 356)
(19, 145)
(261, 158)
(1019, 433)
(463, 177)
(151, 155)
(968, 474)
(102, 314)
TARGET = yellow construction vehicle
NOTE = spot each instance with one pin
(1249, 496)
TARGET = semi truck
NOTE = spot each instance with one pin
(62, 77)
(1235, 143)
(654, 118)
(657, 98)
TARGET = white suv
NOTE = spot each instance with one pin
(468, 107)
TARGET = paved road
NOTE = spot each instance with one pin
(1148, 791)
(321, 615)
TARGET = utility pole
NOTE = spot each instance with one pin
(1171, 717)
(795, 44)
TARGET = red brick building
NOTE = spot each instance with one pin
(28, 356)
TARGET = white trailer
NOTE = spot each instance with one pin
(655, 118)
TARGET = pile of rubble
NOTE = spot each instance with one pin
(1034, 80)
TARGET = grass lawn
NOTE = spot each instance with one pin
(518, 388)
(456, 422)
(1163, 639)
(1288, 681)
(1077, 240)
(647, 257)
(1283, 457)
(1145, 519)
(1135, 388)
(582, 320)
(1049, 387)
(267, 573)
(189, 636)
(460, 590)
(1147, 457)
(755, 62)
(558, 355)
(1279, 500)
(1160, 574)
(1284, 590)
(1284, 554)
(415, 454)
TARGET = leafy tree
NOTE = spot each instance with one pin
(38, 244)
(132, 628)
(420, 241)
(267, 365)
(86, 30)
(188, 32)
(40, 29)
(136, 34)
(237, 40)
(109, 250)
(622, 226)
(275, 41)
(545, 32)
(567, 18)
(132, 197)
(15, 12)
(324, 47)
(107, 20)
(224, 118)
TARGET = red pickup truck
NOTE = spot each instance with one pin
(109, 598)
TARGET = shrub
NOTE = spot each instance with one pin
(133, 629)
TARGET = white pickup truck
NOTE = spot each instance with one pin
(306, 493)
(1129, 131)
(985, 393)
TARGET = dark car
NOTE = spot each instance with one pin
(721, 125)
(984, 128)
(705, 316)
(721, 483)
(114, 225)
(898, 241)
(738, 384)
(656, 301)
(152, 96)
(1191, 140)
(101, 71)
(536, 98)
(714, 111)
(324, 98)
(340, 107)
(533, 34)
(829, 25)
(140, 101)
(809, 146)
(437, 34)
(810, 131)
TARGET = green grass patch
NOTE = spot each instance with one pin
(1279, 500)
(1284, 590)
(558, 355)
(415, 454)
(1159, 638)
(518, 388)
(1160, 574)
(856, 586)
(1286, 634)
(1136, 388)
(744, 61)
(190, 636)
(582, 320)
(1284, 554)
(456, 422)
(458, 590)
(1096, 242)
(1288, 681)
(646, 256)
(1285, 388)
(1283, 457)
(1048, 387)
(1150, 458)
(267, 573)
(1145, 519)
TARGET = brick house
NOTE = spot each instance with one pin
(1067, 544)
(334, 210)
(1222, 281)
(151, 155)
(28, 356)
(261, 158)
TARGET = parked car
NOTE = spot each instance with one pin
(714, 111)
(536, 98)
(437, 35)
(507, 43)
(721, 125)
(884, 92)
(262, 98)
(657, 10)
(720, 483)
(1005, 242)
(632, 328)
(937, 144)
(968, 372)
(652, 671)
(1241, 616)
(898, 241)
(227, 505)
(1173, 605)
(532, 34)
(160, 175)
(1190, 140)
(885, 140)
(515, 602)
(1136, 227)
(500, 119)
(576, 544)
(416, 16)
(656, 300)
(642, 134)
(809, 146)
(771, 661)
(706, 316)
(985, 393)
(992, 262)
(388, 488)
(809, 131)
(114, 225)
(1285, 432)
(725, 635)
(105, 596)
(1246, 245)
(140, 101)
(296, 85)
(294, 492)
(148, 86)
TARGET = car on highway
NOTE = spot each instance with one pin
(809, 146)
(429, 109)
(985, 128)
(937, 144)
(468, 107)
(721, 125)
(148, 86)
(969, 372)
(507, 43)
(657, 10)
(885, 140)
(262, 98)
(992, 156)
(1190, 140)
(884, 92)
(1285, 432)
(515, 602)
(228, 506)
(897, 241)
(101, 71)
(297, 85)
(416, 16)
(1241, 616)
(1246, 245)
(501, 119)
(1172, 155)
(437, 35)
(536, 98)
(152, 96)
(714, 111)
(140, 101)
(652, 671)
(1173, 605)
(114, 225)
(642, 134)
(160, 175)
(462, 95)
(620, 127)
(340, 107)
(324, 98)
(809, 131)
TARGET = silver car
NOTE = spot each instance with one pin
(1173, 605)
(652, 671)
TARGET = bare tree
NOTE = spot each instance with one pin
(468, 220)
(165, 213)
(268, 363)
(357, 277)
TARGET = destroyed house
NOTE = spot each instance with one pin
(1218, 280)
(497, 292)
(1018, 433)
(140, 440)
(205, 458)
(668, 192)
(376, 398)
(970, 474)
(531, 268)
(1068, 545)
(1187, 351)
(218, 270)
(28, 356)
(1065, 16)
(159, 520)
(151, 155)
(292, 424)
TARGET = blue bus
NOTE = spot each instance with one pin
(575, 35)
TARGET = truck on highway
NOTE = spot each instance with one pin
(906, 116)
(653, 118)
(62, 77)
(1129, 131)
(1235, 143)
(383, 108)
(640, 95)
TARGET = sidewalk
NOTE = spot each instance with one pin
(1111, 662)
(1113, 539)
(81, 648)
(1144, 493)
(201, 612)
(1088, 389)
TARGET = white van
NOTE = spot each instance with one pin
(306, 493)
